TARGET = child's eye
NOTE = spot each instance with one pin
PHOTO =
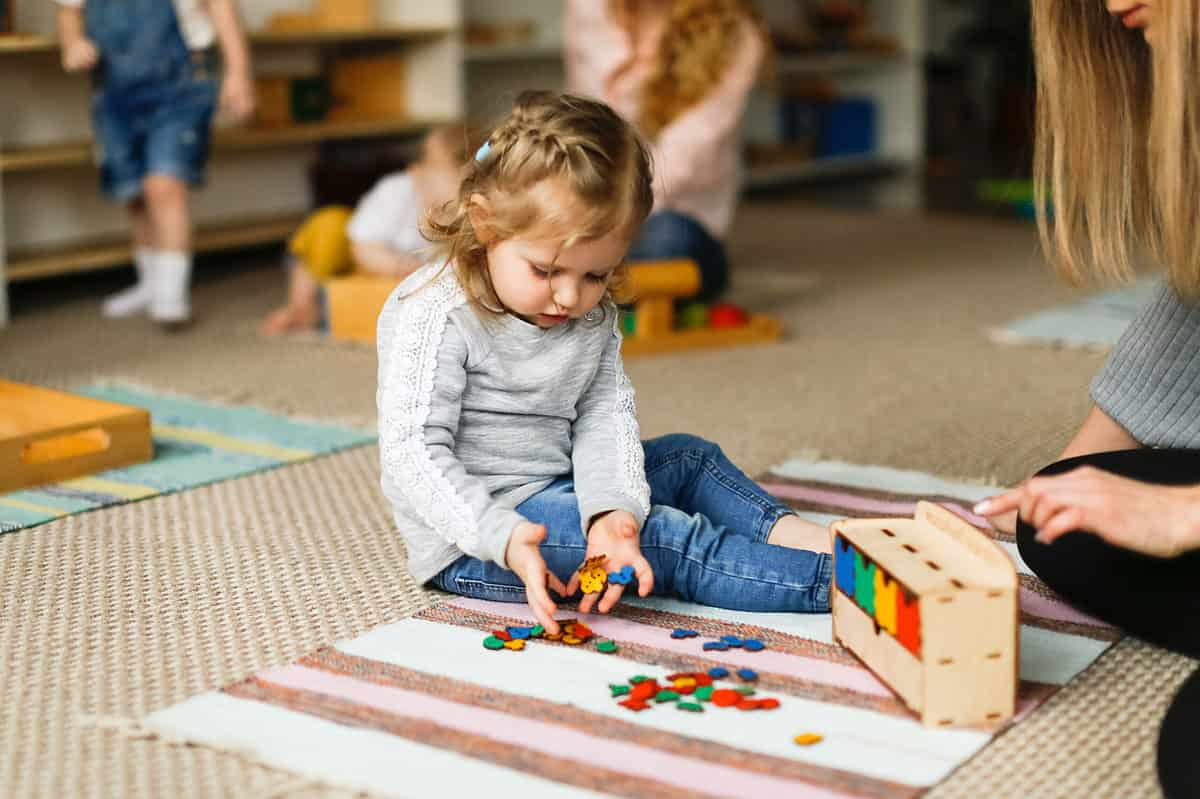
(597, 278)
(539, 273)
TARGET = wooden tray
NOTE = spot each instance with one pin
(50, 436)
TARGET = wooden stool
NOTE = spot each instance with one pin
(50, 436)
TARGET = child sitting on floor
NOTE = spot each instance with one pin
(382, 236)
(508, 436)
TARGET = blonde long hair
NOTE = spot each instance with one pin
(547, 135)
(1117, 162)
(700, 40)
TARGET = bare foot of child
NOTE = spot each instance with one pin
(796, 533)
(290, 319)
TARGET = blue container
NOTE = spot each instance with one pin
(848, 127)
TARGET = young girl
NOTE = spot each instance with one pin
(682, 71)
(508, 436)
(1115, 526)
(381, 237)
(155, 87)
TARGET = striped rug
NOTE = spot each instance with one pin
(195, 443)
(1095, 322)
(420, 708)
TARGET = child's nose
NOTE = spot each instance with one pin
(566, 295)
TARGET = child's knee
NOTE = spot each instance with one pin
(669, 528)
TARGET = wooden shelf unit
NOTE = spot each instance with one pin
(16, 44)
(108, 252)
(71, 154)
(248, 210)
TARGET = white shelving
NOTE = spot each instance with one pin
(52, 220)
(894, 82)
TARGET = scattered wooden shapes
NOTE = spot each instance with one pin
(749, 675)
(684, 633)
(607, 647)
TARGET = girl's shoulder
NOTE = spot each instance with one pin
(432, 289)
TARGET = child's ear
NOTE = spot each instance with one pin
(480, 212)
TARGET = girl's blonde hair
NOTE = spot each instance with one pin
(1117, 162)
(601, 161)
(701, 39)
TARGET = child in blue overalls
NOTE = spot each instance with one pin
(155, 90)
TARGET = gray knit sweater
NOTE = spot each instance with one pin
(1151, 382)
(477, 416)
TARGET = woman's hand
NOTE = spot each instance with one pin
(1152, 519)
(524, 558)
(614, 535)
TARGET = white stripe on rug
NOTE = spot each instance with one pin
(337, 754)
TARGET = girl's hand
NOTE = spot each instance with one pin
(237, 95)
(524, 558)
(615, 535)
(79, 54)
(1152, 519)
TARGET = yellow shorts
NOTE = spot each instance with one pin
(322, 243)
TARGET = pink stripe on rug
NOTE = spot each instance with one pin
(1035, 604)
(799, 667)
(855, 502)
(551, 739)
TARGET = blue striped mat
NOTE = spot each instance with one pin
(195, 443)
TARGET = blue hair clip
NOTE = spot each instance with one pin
(483, 150)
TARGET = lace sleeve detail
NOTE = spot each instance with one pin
(411, 335)
(629, 435)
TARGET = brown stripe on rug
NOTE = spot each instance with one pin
(387, 674)
(475, 745)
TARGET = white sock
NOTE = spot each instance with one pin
(172, 276)
(135, 299)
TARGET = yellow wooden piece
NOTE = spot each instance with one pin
(50, 436)
(885, 601)
(354, 304)
(684, 682)
(592, 576)
(808, 739)
(654, 287)
(369, 87)
(516, 644)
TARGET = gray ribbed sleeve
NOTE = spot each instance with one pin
(1151, 382)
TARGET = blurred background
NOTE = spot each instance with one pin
(892, 104)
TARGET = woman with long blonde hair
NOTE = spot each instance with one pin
(1115, 525)
(682, 71)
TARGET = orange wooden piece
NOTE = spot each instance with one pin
(725, 697)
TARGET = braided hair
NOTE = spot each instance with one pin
(599, 159)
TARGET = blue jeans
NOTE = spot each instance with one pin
(670, 234)
(705, 538)
(153, 99)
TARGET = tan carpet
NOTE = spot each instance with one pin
(122, 611)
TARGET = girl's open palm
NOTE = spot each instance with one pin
(614, 535)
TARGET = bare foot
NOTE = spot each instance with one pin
(289, 319)
(796, 533)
